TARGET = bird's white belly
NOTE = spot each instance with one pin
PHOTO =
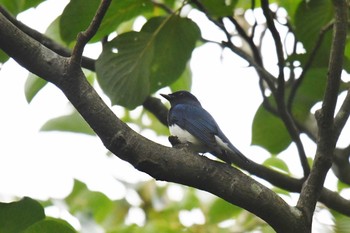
(183, 135)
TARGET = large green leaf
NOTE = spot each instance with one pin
(53, 31)
(17, 216)
(310, 17)
(78, 14)
(123, 68)
(184, 82)
(290, 6)
(50, 226)
(73, 122)
(136, 64)
(76, 17)
(309, 93)
(17, 6)
(220, 8)
(174, 39)
(269, 132)
(32, 86)
(276, 163)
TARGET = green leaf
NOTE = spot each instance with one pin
(76, 17)
(276, 163)
(220, 8)
(342, 224)
(341, 185)
(269, 132)
(119, 12)
(123, 68)
(50, 226)
(104, 211)
(310, 17)
(290, 6)
(3, 57)
(17, 216)
(71, 123)
(309, 93)
(174, 39)
(221, 210)
(53, 31)
(184, 82)
(136, 64)
(17, 6)
(32, 86)
(78, 14)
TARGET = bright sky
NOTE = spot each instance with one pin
(43, 164)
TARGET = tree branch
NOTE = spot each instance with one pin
(87, 63)
(279, 93)
(84, 37)
(326, 136)
(163, 163)
(265, 5)
(155, 106)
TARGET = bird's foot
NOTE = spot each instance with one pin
(174, 141)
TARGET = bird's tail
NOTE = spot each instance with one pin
(235, 156)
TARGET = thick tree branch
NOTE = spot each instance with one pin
(326, 137)
(87, 63)
(161, 162)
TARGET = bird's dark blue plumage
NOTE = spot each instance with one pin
(193, 125)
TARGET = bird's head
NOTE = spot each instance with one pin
(181, 97)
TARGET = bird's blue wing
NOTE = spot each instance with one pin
(197, 121)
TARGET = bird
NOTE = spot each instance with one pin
(195, 127)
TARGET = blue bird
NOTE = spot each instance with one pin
(193, 125)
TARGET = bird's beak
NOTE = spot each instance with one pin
(168, 97)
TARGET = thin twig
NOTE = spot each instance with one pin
(248, 39)
(342, 115)
(85, 36)
(278, 44)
